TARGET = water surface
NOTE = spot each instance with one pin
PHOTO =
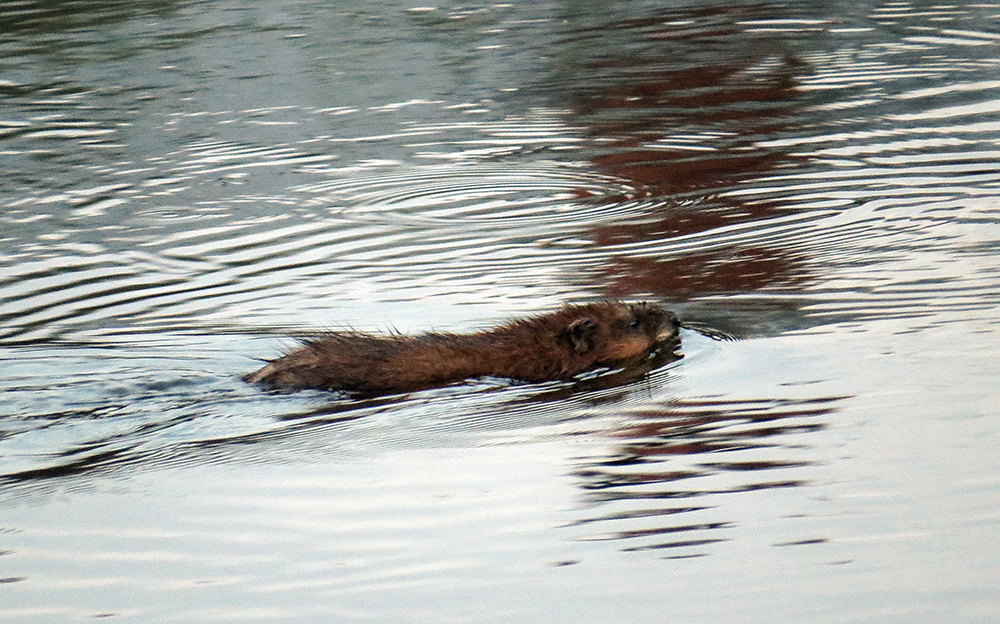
(190, 186)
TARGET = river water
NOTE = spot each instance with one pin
(188, 186)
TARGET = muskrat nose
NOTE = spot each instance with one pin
(670, 328)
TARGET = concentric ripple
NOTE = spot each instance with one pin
(188, 187)
(503, 195)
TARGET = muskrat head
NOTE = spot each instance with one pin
(614, 333)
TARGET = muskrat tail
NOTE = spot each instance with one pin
(260, 375)
(279, 374)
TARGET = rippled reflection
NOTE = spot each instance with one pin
(680, 111)
(708, 125)
(720, 447)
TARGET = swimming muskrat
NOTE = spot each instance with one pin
(560, 345)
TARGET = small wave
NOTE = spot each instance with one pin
(514, 196)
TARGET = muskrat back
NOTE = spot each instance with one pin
(560, 345)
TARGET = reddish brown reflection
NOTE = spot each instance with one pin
(678, 104)
(740, 270)
(693, 73)
(665, 483)
(686, 427)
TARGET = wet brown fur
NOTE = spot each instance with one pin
(560, 345)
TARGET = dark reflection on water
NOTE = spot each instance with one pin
(34, 18)
(680, 111)
(636, 480)
(704, 73)
(703, 110)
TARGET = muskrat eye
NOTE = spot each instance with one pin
(635, 323)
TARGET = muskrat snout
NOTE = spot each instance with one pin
(670, 329)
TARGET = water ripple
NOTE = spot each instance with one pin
(463, 195)
(646, 501)
(762, 170)
(188, 186)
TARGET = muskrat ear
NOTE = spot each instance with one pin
(581, 334)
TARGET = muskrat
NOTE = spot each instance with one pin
(560, 345)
